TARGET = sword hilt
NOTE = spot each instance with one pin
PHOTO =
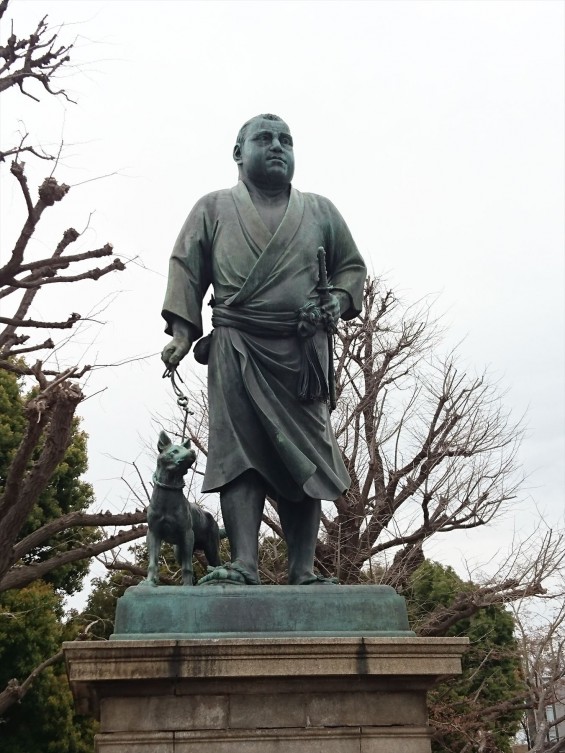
(323, 288)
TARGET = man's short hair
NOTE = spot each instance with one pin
(244, 128)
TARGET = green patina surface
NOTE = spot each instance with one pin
(261, 611)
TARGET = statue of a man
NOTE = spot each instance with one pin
(269, 423)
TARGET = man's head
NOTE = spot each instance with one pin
(264, 152)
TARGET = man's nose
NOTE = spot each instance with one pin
(276, 144)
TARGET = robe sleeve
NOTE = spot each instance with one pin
(346, 268)
(190, 270)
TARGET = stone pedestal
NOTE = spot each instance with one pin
(294, 694)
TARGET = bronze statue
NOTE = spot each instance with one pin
(270, 433)
(172, 518)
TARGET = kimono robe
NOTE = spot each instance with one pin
(260, 281)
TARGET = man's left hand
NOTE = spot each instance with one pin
(332, 309)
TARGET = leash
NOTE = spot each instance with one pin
(182, 399)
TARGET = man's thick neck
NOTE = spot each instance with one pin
(270, 203)
(266, 195)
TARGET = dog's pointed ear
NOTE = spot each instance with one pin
(163, 442)
(186, 444)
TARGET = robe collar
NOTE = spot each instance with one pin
(269, 246)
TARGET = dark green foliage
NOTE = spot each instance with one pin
(64, 494)
(100, 608)
(30, 632)
(32, 624)
(12, 421)
(491, 666)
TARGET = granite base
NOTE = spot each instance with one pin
(253, 695)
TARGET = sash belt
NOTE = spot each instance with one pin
(262, 324)
(312, 382)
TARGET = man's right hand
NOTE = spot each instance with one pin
(175, 351)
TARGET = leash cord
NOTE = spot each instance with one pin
(182, 399)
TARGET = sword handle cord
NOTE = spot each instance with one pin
(324, 289)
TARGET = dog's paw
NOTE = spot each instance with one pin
(149, 582)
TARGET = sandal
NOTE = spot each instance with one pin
(232, 574)
(319, 580)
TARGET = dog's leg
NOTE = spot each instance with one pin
(153, 551)
(184, 556)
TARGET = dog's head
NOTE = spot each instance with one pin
(174, 457)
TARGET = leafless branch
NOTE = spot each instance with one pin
(35, 58)
(74, 520)
(19, 576)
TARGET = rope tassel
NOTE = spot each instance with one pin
(312, 382)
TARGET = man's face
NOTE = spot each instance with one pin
(266, 157)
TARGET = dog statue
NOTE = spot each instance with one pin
(172, 518)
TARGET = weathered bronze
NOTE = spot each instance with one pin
(268, 612)
(172, 518)
(257, 245)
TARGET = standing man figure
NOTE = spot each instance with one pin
(270, 430)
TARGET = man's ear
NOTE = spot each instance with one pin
(237, 153)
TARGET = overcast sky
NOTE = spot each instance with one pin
(435, 127)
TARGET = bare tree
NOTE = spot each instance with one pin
(542, 643)
(430, 450)
(524, 573)
(28, 62)
(540, 699)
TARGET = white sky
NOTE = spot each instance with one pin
(435, 127)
